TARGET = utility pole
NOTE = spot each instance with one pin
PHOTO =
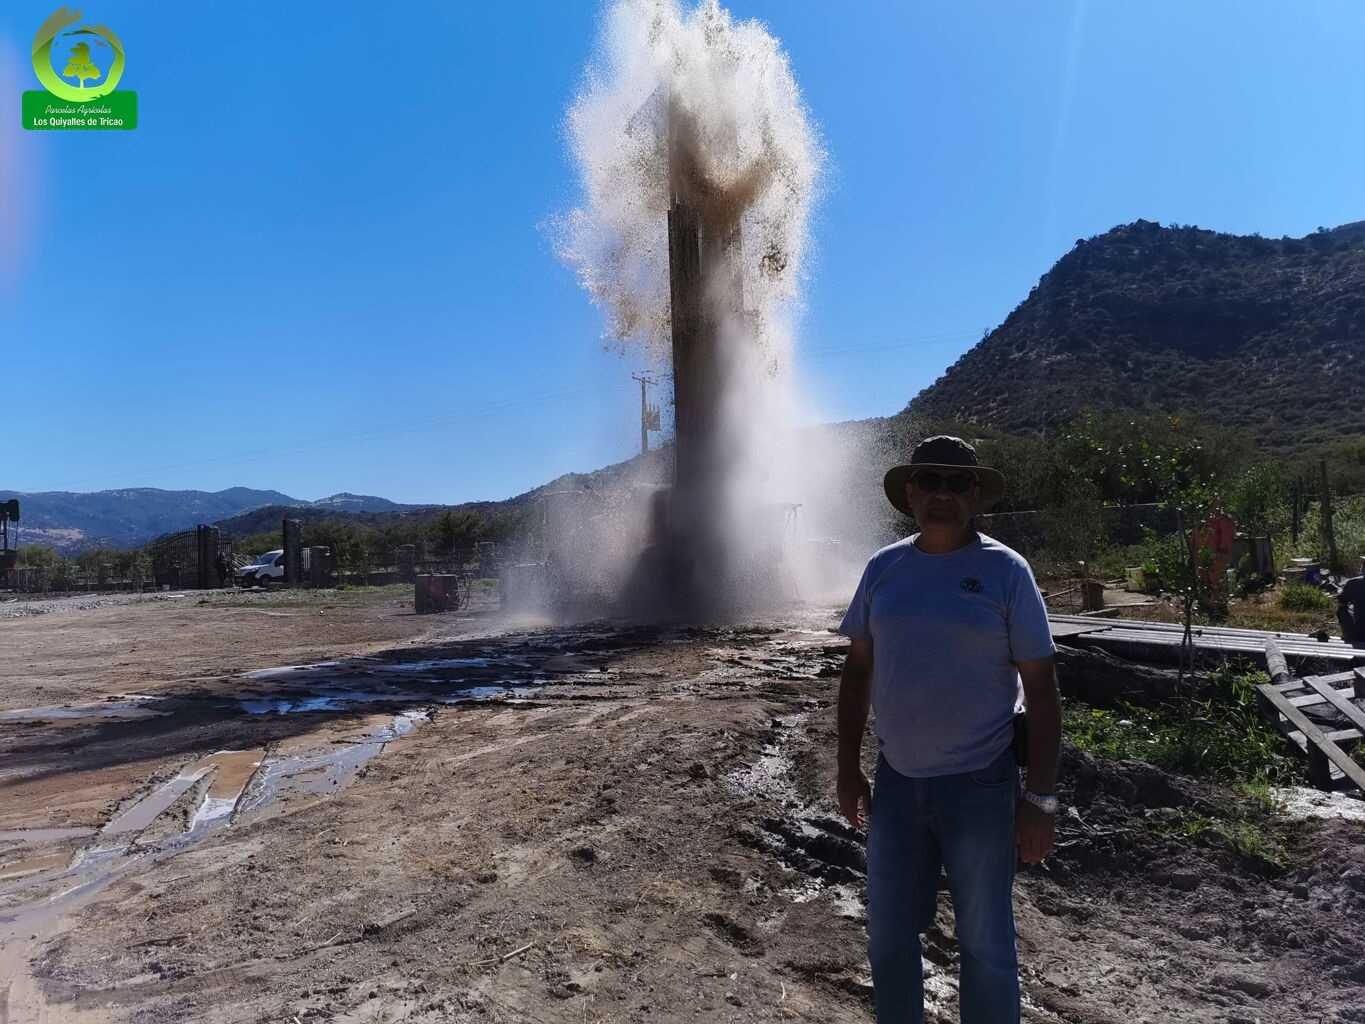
(649, 414)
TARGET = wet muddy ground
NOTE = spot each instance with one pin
(479, 821)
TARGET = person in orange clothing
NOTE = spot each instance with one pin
(1211, 547)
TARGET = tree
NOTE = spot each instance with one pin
(79, 65)
(38, 556)
(345, 539)
(1259, 499)
(1161, 460)
(452, 530)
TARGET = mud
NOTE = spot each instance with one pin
(601, 824)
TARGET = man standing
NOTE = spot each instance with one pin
(945, 625)
(1351, 607)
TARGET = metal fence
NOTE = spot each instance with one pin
(191, 559)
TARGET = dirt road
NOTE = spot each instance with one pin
(489, 823)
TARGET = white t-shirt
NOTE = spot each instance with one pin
(946, 631)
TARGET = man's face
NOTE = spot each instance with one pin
(943, 500)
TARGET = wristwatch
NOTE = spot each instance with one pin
(1047, 804)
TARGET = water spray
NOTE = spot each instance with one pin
(699, 168)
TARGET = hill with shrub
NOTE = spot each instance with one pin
(1262, 336)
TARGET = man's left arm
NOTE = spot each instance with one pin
(1036, 830)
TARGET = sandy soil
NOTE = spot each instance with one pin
(73, 649)
(492, 823)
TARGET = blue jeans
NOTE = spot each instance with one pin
(964, 823)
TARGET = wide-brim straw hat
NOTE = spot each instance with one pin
(943, 452)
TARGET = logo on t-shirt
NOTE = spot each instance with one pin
(971, 585)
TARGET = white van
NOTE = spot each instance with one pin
(267, 569)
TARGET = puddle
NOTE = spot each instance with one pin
(235, 786)
(289, 706)
(318, 772)
(434, 665)
(123, 711)
(145, 811)
(244, 783)
(481, 692)
(210, 811)
(234, 769)
(284, 670)
(343, 700)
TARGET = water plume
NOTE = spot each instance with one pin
(699, 168)
(692, 101)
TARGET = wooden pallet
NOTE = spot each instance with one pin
(1162, 640)
(1282, 700)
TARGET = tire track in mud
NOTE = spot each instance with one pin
(419, 680)
(826, 852)
(237, 787)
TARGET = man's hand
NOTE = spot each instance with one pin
(855, 797)
(1035, 832)
(855, 697)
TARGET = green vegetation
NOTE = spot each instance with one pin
(62, 570)
(1348, 523)
(1248, 827)
(361, 544)
(1222, 737)
(1299, 597)
(1113, 491)
(1264, 611)
(449, 534)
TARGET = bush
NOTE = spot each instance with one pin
(1222, 737)
(1300, 597)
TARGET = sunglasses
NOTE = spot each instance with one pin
(931, 480)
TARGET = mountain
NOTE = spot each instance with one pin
(649, 469)
(71, 521)
(266, 518)
(1265, 336)
(347, 502)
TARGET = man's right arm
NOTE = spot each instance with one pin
(855, 699)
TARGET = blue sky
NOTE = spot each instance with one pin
(278, 282)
